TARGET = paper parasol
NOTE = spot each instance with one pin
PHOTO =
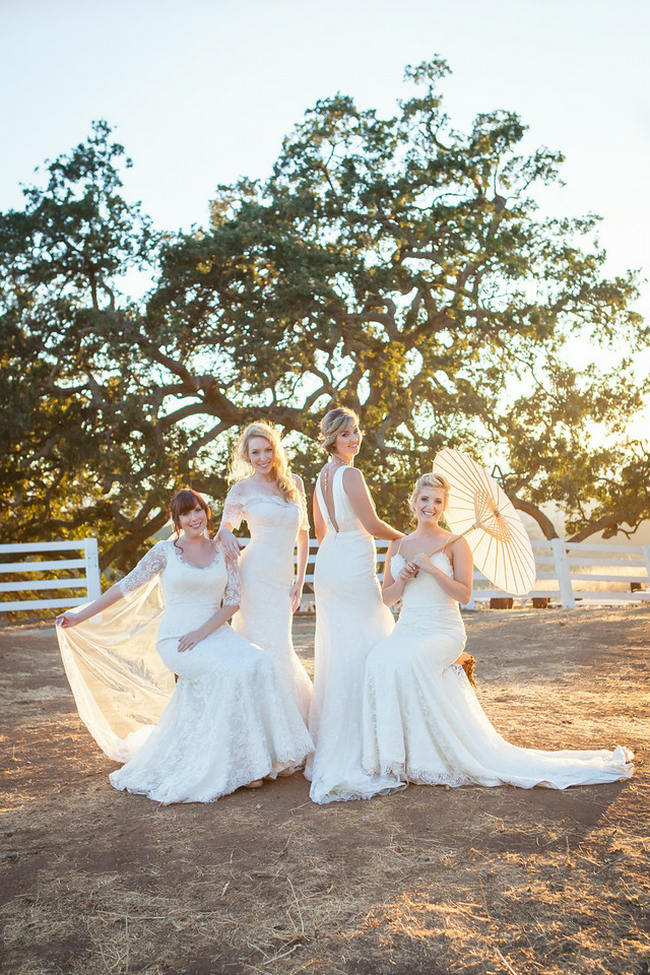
(480, 510)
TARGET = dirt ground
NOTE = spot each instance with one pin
(430, 881)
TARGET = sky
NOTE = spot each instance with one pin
(203, 91)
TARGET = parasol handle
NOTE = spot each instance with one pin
(477, 524)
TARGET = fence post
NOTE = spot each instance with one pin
(646, 558)
(93, 581)
(563, 573)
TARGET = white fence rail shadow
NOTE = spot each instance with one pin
(57, 571)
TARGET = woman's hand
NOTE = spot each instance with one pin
(190, 640)
(64, 620)
(409, 572)
(295, 596)
(229, 543)
(422, 561)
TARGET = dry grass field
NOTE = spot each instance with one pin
(430, 881)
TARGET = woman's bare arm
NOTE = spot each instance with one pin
(363, 506)
(70, 618)
(319, 524)
(393, 589)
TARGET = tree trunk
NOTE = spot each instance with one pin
(544, 522)
(131, 542)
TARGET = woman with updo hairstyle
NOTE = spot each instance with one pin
(271, 499)
(350, 615)
(422, 721)
(228, 722)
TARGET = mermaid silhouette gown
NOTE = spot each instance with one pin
(227, 721)
(423, 723)
(266, 568)
(350, 619)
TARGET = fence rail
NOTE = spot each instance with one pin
(58, 570)
(558, 561)
(561, 562)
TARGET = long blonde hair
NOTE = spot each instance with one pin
(241, 467)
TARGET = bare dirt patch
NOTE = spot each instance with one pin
(426, 882)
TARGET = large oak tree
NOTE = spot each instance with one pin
(395, 265)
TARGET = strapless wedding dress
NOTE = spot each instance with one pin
(423, 723)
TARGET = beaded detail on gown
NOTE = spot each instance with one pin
(267, 573)
(423, 722)
(350, 619)
(228, 720)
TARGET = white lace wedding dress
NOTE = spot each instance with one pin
(228, 720)
(350, 619)
(267, 573)
(423, 722)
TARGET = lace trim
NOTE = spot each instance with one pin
(190, 565)
(405, 773)
(238, 499)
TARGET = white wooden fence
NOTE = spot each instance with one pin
(88, 580)
(563, 563)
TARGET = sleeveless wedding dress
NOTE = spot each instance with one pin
(267, 574)
(350, 619)
(423, 722)
(228, 720)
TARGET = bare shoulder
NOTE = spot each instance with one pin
(458, 544)
(353, 477)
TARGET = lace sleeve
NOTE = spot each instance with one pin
(150, 565)
(233, 508)
(232, 593)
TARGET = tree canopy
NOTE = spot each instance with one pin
(395, 265)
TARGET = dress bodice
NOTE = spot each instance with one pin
(346, 519)
(269, 516)
(191, 594)
(273, 521)
(424, 601)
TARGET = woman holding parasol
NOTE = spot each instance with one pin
(422, 721)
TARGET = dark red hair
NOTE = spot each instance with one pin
(184, 501)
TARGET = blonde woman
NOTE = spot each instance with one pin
(350, 615)
(422, 721)
(271, 500)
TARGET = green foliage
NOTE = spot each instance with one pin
(394, 265)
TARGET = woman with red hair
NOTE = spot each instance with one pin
(228, 722)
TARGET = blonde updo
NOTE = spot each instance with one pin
(241, 467)
(333, 423)
(431, 480)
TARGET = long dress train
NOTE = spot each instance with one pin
(267, 572)
(350, 619)
(228, 720)
(423, 722)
